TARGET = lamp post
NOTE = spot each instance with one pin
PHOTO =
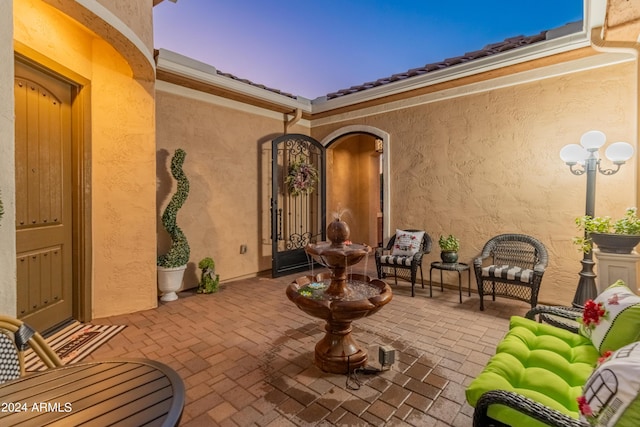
(586, 156)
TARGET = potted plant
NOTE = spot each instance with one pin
(209, 280)
(449, 247)
(619, 236)
(171, 266)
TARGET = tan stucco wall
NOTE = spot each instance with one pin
(136, 15)
(227, 164)
(121, 130)
(7, 180)
(123, 187)
(487, 163)
(623, 21)
(124, 24)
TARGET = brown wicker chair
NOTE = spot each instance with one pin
(511, 265)
(388, 264)
(15, 337)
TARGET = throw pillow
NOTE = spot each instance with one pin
(610, 396)
(612, 320)
(407, 243)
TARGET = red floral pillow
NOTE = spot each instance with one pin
(612, 320)
(407, 243)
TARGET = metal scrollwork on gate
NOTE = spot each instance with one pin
(298, 168)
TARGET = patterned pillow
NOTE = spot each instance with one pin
(9, 362)
(610, 396)
(407, 242)
(612, 320)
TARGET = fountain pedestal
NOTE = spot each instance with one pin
(339, 299)
(337, 344)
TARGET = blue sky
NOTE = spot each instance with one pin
(311, 48)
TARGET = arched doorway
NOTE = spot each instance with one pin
(357, 168)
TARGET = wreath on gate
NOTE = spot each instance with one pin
(302, 178)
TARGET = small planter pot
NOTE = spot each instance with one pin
(170, 281)
(615, 243)
(449, 257)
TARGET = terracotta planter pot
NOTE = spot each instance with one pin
(615, 243)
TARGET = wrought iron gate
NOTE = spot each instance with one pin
(298, 200)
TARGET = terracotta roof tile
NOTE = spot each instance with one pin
(231, 76)
(490, 49)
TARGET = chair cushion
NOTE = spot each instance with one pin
(9, 362)
(619, 325)
(396, 260)
(407, 243)
(508, 272)
(539, 361)
(611, 393)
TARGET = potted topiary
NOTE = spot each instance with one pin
(171, 266)
(209, 280)
(610, 236)
(449, 247)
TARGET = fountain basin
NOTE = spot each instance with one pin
(338, 352)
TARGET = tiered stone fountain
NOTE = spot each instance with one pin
(339, 298)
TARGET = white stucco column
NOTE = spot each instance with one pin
(7, 162)
(612, 267)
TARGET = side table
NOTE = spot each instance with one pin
(459, 267)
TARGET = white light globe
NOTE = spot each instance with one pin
(619, 152)
(573, 153)
(593, 140)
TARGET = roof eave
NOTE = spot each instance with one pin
(512, 57)
(183, 66)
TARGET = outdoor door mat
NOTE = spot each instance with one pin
(73, 343)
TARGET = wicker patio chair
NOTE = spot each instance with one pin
(562, 317)
(388, 264)
(511, 265)
(15, 337)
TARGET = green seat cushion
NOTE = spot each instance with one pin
(547, 364)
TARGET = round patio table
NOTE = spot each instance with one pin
(128, 392)
(445, 266)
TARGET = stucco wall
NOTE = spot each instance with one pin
(487, 163)
(136, 15)
(7, 180)
(227, 164)
(120, 124)
(123, 187)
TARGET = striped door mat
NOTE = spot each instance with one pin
(73, 343)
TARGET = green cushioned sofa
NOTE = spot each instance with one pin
(537, 373)
(571, 367)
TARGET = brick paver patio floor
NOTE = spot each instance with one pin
(246, 356)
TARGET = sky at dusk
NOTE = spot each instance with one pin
(313, 47)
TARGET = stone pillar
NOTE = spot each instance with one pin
(612, 267)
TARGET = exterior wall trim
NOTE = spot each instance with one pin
(583, 64)
(144, 69)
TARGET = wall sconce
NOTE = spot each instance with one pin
(586, 156)
(379, 148)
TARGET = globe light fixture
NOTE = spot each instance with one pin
(584, 159)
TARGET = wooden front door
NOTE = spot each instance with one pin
(43, 197)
